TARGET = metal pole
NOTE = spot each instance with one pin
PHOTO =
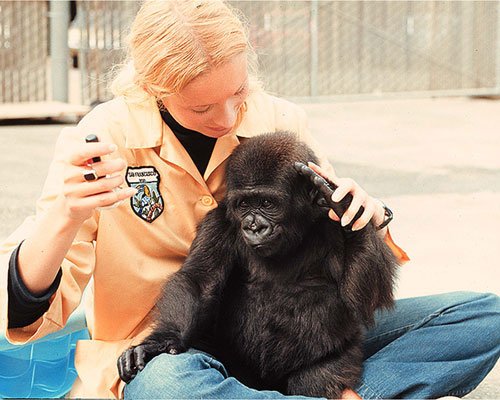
(59, 51)
(314, 48)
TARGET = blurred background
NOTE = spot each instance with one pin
(403, 95)
(63, 50)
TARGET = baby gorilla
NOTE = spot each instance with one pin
(272, 287)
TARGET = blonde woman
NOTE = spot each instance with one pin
(186, 99)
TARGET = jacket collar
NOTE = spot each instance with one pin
(144, 126)
(146, 129)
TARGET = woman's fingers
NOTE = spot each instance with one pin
(366, 217)
(85, 189)
(333, 216)
(329, 177)
(81, 205)
(90, 185)
(345, 185)
(102, 169)
(75, 174)
(359, 199)
(84, 152)
(352, 210)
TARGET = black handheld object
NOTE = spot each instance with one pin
(92, 139)
(326, 188)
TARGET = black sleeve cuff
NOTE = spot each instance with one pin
(25, 307)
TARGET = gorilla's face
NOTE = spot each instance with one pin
(268, 202)
(265, 217)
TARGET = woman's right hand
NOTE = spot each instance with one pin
(43, 251)
(80, 197)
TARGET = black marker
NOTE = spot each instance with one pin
(93, 139)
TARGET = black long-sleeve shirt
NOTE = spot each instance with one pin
(198, 146)
(25, 307)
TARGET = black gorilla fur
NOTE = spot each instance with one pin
(275, 289)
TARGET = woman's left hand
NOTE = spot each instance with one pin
(373, 207)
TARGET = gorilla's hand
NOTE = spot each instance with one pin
(135, 358)
(326, 189)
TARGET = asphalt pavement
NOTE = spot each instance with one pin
(435, 162)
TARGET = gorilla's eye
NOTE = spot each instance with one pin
(242, 204)
(267, 204)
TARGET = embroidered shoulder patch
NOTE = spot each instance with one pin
(147, 203)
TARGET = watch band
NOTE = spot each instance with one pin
(389, 216)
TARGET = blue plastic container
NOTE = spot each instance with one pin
(44, 368)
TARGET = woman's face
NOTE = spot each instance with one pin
(209, 103)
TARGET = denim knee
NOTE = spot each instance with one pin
(480, 313)
(486, 307)
(479, 334)
(175, 376)
(489, 303)
(191, 375)
(448, 352)
(492, 302)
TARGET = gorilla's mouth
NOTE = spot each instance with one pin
(267, 245)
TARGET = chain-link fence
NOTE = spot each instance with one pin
(23, 51)
(102, 26)
(307, 48)
(333, 48)
(328, 48)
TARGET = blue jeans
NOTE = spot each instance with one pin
(426, 347)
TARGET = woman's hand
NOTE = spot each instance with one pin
(373, 208)
(79, 196)
(43, 252)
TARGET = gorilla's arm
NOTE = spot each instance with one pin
(189, 299)
(369, 265)
(370, 272)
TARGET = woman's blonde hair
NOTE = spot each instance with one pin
(172, 42)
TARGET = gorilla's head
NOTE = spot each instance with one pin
(269, 202)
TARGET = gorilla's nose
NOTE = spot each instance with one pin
(256, 229)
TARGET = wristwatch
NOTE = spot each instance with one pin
(388, 217)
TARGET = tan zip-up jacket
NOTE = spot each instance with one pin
(130, 250)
